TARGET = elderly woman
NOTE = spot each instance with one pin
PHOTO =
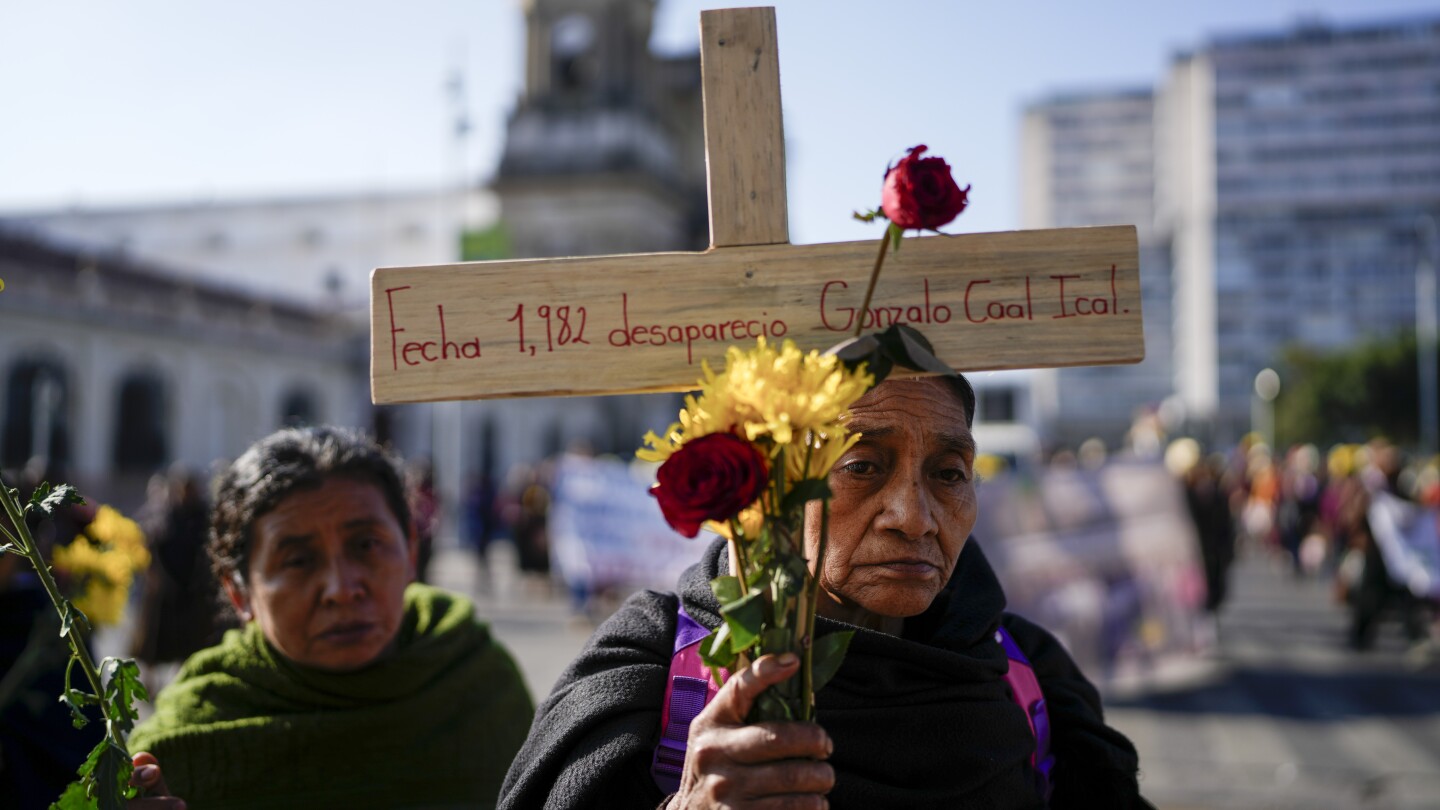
(349, 685)
(919, 714)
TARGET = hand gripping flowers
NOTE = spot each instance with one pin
(749, 450)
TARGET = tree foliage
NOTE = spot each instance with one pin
(1371, 389)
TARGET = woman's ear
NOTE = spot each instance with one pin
(239, 597)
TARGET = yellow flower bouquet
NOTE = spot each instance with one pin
(756, 444)
(750, 450)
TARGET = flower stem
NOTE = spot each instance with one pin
(807, 671)
(874, 276)
(32, 553)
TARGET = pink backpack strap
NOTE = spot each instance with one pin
(1025, 688)
(688, 689)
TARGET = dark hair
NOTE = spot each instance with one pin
(281, 464)
(962, 389)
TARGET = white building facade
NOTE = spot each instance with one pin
(1280, 182)
(112, 370)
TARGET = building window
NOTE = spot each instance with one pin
(37, 407)
(298, 409)
(215, 242)
(571, 42)
(140, 420)
(312, 238)
(997, 404)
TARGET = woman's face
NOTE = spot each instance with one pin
(903, 504)
(327, 575)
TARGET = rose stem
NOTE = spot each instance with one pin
(874, 276)
(807, 672)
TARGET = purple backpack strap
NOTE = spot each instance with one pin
(1025, 688)
(688, 688)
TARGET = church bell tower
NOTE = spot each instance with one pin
(604, 152)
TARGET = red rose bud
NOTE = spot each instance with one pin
(710, 478)
(920, 193)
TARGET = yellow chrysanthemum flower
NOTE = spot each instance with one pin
(105, 558)
(775, 398)
(751, 520)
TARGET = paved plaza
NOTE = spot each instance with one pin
(1282, 717)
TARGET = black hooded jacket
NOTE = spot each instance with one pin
(918, 721)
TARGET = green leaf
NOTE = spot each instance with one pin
(72, 618)
(74, 798)
(896, 233)
(869, 216)
(80, 795)
(75, 700)
(776, 640)
(47, 500)
(727, 589)
(122, 690)
(716, 653)
(825, 658)
(758, 580)
(809, 489)
(790, 577)
(769, 706)
(111, 777)
(745, 619)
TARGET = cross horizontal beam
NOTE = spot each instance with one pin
(637, 323)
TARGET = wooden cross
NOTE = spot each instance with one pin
(637, 323)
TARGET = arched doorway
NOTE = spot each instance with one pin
(141, 415)
(37, 413)
(298, 409)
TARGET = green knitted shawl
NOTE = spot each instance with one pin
(434, 723)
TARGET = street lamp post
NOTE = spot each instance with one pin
(1262, 408)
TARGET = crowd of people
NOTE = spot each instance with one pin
(1312, 512)
(333, 657)
(337, 678)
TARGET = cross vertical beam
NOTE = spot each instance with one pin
(744, 134)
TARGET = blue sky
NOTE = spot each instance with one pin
(148, 100)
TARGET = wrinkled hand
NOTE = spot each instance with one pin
(154, 795)
(768, 765)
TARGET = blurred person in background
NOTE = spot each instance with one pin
(1209, 506)
(1377, 585)
(1299, 509)
(349, 684)
(479, 525)
(525, 508)
(425, 510)
(1260, 499)
(179, 601)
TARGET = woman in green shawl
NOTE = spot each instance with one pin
(348, 685)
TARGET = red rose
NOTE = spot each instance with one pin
(710, 478)
(920, 193)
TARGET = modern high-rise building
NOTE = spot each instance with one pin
(1290, 174)
(1088, 159)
